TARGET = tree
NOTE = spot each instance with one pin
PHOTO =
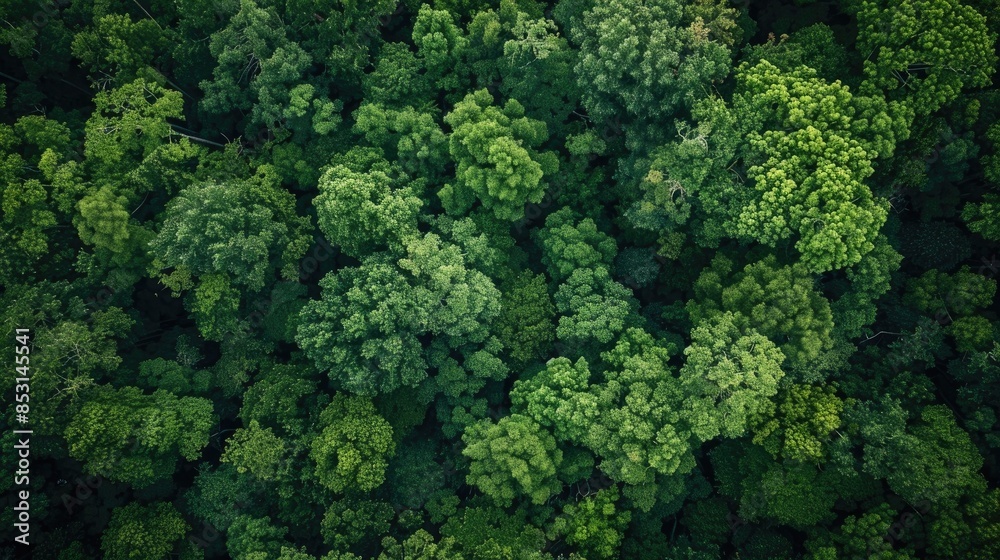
(72, 347)
(26, 216)
(861, 535)
(215, 307)
(815, 46)
(981, 217)
(419, 546)
(869, 279)
(411, 138)
(364, 211)
(415, 473)
(128, 124)
(176, 376)
(592, 307)
(793, 493)
(559, 398)
(777, 301)
(219, 496)
(537, 67)
(803, 422)
(491, 533)
(952, 295)
(154, 532)
(642, 429)
(366, 329)
(352, 451)
(255, 450)
(646, 59)
(233, 238)
(972, 333)
(730, 375)
(593, 526)
(350, 521)
(283, 397)
(496, 153)
(259, 70)
(935, 461)
(976, 374)
(569, 244)
(345, 35)
(808, 156)
(128, 436)
(924, 52)
(511, 458)
(440, 45)
(120, 47)
(103, 220)
(525, 325)
(967, 531)
(245, 230)
(250, 538)
(398, 80)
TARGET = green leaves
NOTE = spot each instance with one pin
(632, 420)
(136, 438)
(365, 211)
(155, 532)
(412, 138)
(351, 452)
(255, 450)
(808, 162)
(982, 218)
(777, 301)
(559, 398)
(608, 293)
(594, 525)
(643, 429)
(511, 458)
(525, 325)
(26, 216)
(592, 307)
(129, 123)
(233, 238)
(924, 52)
(241, 229)
(103, 220)
(366, 329)
(363, 331)
(120, 46)
(646, 59)
(569, 244)
(935, 461)
(495, 151)
(730, 375)
(802, 424)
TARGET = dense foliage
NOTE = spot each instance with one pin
(503, 279)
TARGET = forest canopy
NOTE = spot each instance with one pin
(500, 279)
